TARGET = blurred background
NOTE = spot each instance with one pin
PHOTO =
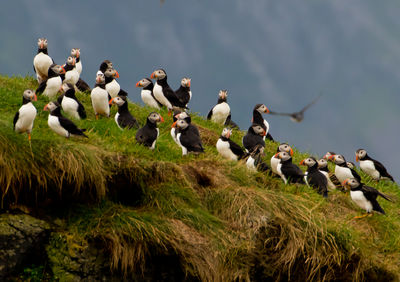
(280, 53)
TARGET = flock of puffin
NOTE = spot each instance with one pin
(65, 79)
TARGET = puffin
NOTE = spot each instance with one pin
(221, 112)
(81, 84)
(314, 177)
(254, 160)
(24, 118)
(147, 94)
(164, 93)
(372, 167)
(71, 74)
(187, 138)
(227, 148)
(364, 196)
(184, 93)
(283, 147)
(70, 103)
(112, 86)
(333, 182)
(123, 117)
(42, 61)
(106, 64)
(342, 171)
(148, 134)
(174, 131)
(52, 84)
(60, 124)
(100, 97)
(254, 137)
(328, 154)
(288, 171)
(258, 110)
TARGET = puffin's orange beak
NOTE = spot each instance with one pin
(331, 157)
(345, 182)
(276, 155)
(35, 98)
(111, 101)
(264, 133)
(46, 108)
(291, 152)
(266, 110)
(116, 74)
(302, 162)
(162, 119)
(189, 83)
(228, 135)
(173, 125)
(153, 75)
(357, 158)
(138, 84)
(41, 45)
(62, 70)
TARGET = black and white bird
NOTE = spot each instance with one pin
(221, 112)
(60, 124)
(297, 116)
(81, 84)
(372, 167)
(164, 93)
(70, 103)
(283, 147)
(254, 137)
(42, 61)
(188, 138)
(184, 93)
(123, 117)
(148, 134)
(333, 182)
(112, 86)
(364, 196)
(227, 148)
(315, 178)
(342, 171)
(71, 74)
(100, 97)
(52, 84)
(147, 94)
(327, 157)
(288, 171)
(24, 118)
(106, 64)
(254, 160)
(258, 110)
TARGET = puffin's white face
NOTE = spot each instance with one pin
(110, 73)
(143, 82)
(226, 132)
(360, 154)
(42, 43)
(100, 78)
(223, 94)
(185, 82)
(322, 163)
(259, 130)
(155, 117)
(71, 61)
(51, 106)
(350, 183)
(182, 115)
(75, 52)
(285, 148)
(337, 159)
(119, 101)
(65, 87)
(30, 95)
(308, 162)
(182, 124)
(263, 109)
(57, 69)
(158, 74)
(283, 156)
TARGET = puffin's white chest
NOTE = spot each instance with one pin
(220, 112)
(224, 149)
(116, 120)
(55, 125)
(250, 163)
(27, 115)
(113, 88)
(342, 173)
(155, 140)
(71, 76)
(99, 98)
(52, 87)
(274, 164)
(148, 99)
(368, 167)
(42, 62)
(70, 106)
(158, 93)
(359, 198)
(173, 135)
(331, 186)
(78, 67)
(280, 173)
(184, 149)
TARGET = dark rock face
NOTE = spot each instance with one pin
(22, 239)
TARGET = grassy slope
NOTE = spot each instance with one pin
(218, 218)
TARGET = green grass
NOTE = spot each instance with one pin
(219, 220)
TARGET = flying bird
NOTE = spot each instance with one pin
(297, 116)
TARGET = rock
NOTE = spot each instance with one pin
(22, 239)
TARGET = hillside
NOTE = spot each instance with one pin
(115, 209)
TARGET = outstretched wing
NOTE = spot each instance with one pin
(280, 114)
(312, 103)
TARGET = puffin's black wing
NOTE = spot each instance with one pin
(41, 87)
(60, 98)
(293, 172)
(146, 136)
(122, 93)
(172, 98)
(269, 137)
(154, 97)
(70, 126)
(355, 174)
(210, 113)
(236, 149)
(318, 180)
(371, 194)
(194, 129)
(83, 86)
(228, 119)
(16, 118)
(280, 114)
(382, 170)
(127, 121)
(109, 98)
(191, 141)
(81, 110)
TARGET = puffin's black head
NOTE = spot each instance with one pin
(118, 100)
(55, 70)
(70, 92)
(75, 52)
(351, 183)
(360, 154)
(51, 106)
(226, 132)
(158, 74)
(309, 162)
(154, 118)
(338, 159)
(258, 129)
(106, 64)
(322, 163)
(144, 82)
(261, 108)
(29, 95)
(42, 43)
(283, 156)
(111, 73)
(284, 147)
(185, 82)
(223, 95)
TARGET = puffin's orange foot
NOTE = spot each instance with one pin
(361, 216)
